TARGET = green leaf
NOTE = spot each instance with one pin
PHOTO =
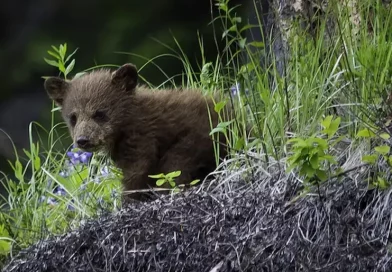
(382, 183)
(237, 19)
(247, 27)
(246, 68)
(55, 49)
(314, 162)
(18, 170)
(5, 246)
(382, 149)
(221, 127)
(157, 176)
(307, 170)
(224, 34)
(69, 57)
(365, 133)
(56, 109)
(222, 6)
(78, 178)
(217, 129)
(63, 50)
(240, 143)
(79, 74)
(54, 54)
(321, 174)
(305, 152)
(160, 182)
(255, 142)
(172, 183)
(333, 127)
(219, 106)
(70, 67)
(327, 121)
(257, 44)
(174, 174)
(233, 28)
(298, 142)
(4, 232)
(195, 182)
(369, 158)
(329, 158)
(225, 124)
(37, 163)
(61, 67)
(51, 62)
(295, 158)
(67, 183)
(385, 136)
(242, 43)
(317, 151)
(27, 154)
(339, 171)
(321, 143)
(291, 167)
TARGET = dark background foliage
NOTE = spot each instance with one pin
(99, 29)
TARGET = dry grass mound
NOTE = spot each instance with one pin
(232, 224)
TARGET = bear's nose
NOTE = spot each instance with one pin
(82, 142)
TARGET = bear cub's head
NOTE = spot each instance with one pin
(94, 105)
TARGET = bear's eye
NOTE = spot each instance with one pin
(72, 119)
(100, 115)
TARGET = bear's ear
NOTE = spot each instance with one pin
(56, 87)
(126, 77)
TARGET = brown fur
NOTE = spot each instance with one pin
(145, 132)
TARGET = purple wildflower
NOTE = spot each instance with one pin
(42, 199)
(79, 156)
(101, 202)
(235, 89)
(114, 194)
(96, 180)
(51, 201)
(70, 206)
(85, 156)
(105, 171)
(63, 173)
(60, 191)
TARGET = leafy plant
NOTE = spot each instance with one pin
(61, 60)
(169, 178)
(312, 155)
(5, 241)
(379, 150)
(377, 153)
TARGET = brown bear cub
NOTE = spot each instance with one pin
(145, 132)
